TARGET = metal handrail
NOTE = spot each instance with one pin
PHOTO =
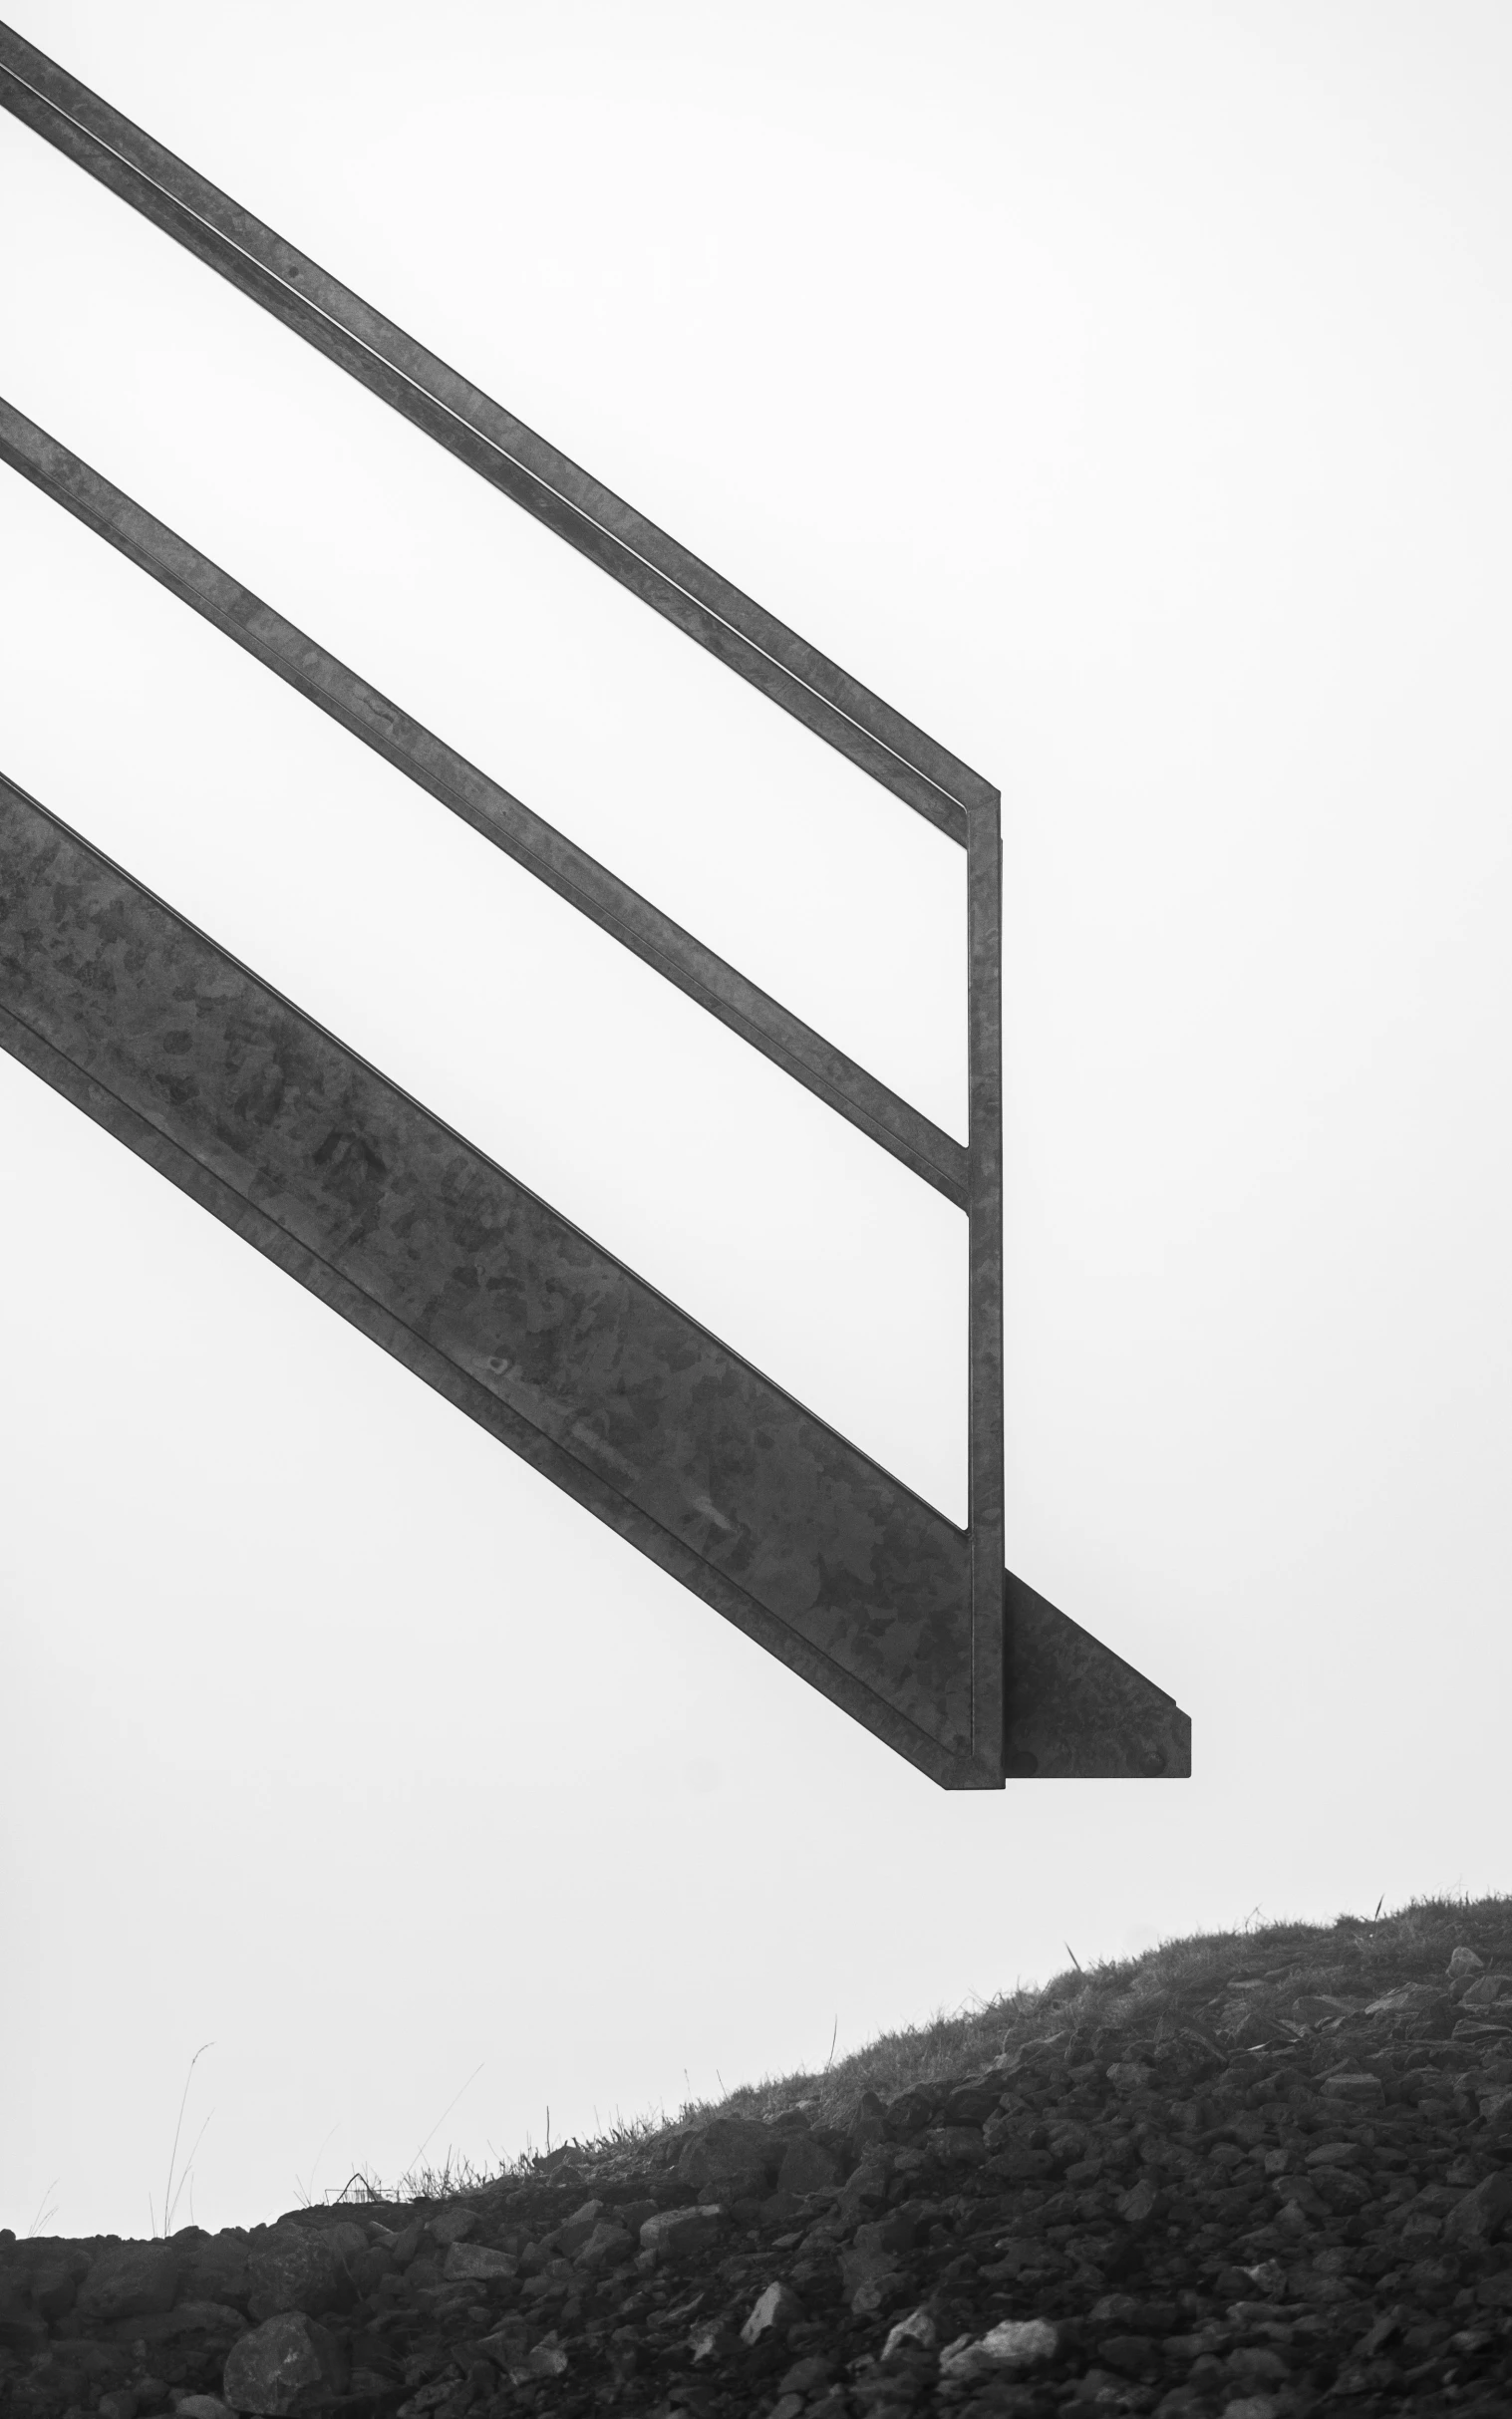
(730, 625)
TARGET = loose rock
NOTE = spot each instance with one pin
(287, 2366)
(1202, 2205)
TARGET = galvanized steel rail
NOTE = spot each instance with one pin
(534, 843)
(987, 1735)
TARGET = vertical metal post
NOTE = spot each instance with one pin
(984, 886)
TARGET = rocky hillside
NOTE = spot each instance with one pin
(1262, 2174)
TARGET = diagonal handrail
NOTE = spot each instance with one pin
(765, 1022)
(750, 642)
(479, 431)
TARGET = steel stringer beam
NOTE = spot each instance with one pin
(545, 1339)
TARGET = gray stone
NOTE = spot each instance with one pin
(297, 2268)
(680, 2233)
(729, 2147)
(1476, 2218)
(1358, 2090)
(1128, 2074)
(910, 2112)
(1015, 2344)
(130, 2282)
(287, 2366)
(211, 2326)
(918, 2327)
(201, 2406)
(876, 2294)
(867, 2183)
(956, 2145)
(709, 2339)
(1465, 1961)
(574, 2232)
(454, 2225)
(806, 2166)
(465, 2262)
(54, 2293)
(1487, 1991)
(606, 2245)
(776, 2310)
(214, 2268)
(1409, 1998)
(548, 2358)
(21, 2333)
(808, 2375)
(742, 2184)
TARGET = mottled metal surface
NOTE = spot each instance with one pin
(600, 524)
(590, 1370)
(522, 1321)
(1076, 1711)
(437, 1252)
(985, 1513)
(923, 1148)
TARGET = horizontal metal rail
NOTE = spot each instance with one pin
(480, 433)
(817, 1065)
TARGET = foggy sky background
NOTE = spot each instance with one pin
(1120, 394)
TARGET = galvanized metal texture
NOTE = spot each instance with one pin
(1076, 1710)
(522, 1321)
(985, 1512)
(512, 457)
(765, 1022)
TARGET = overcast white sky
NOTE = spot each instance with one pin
(1122, 394)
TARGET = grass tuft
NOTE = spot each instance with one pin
(1109, 2009)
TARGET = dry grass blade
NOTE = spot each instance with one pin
(169, 2198)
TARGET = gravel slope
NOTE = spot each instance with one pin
(1261, 2175)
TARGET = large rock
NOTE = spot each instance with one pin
(778, 2309)
(208, 2321)
(288, 2364)
(1475, 2219)
(1015, 2343)
(297, 2268)
(469, 2262)
(54, 2293)
(128, 2281)
(806, 2166)
(22, 2332)
(187, 2344)
(215, 2268)
(1358, 2090)
(681, 2234)
(731, 2146)
(910, 2112)
(606, 2245)
(864, 2263)
(956, 2145)
(574, 2232)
